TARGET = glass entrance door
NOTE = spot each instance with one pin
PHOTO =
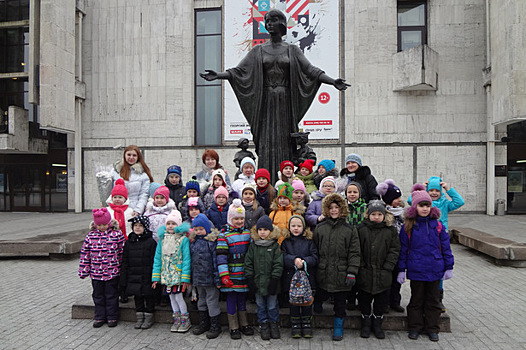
(27, 188)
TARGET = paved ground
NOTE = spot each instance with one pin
(487, 305)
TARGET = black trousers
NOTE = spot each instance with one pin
(144, 303)
(380, 302)
(299, 311)
(340, 299)
(106, 299)
(423, 311)
(394, 296)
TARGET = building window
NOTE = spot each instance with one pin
(208, 94)
(412, 19)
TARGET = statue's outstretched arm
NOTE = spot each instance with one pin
(213, 75)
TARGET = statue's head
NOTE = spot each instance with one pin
(242, 143)
(301, 138)
(281, 19)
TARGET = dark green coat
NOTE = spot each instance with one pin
(380, 248)
(338, 254)
(263, 263)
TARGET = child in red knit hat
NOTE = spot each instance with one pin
(265, 193)
(118, 207)
(305, 174)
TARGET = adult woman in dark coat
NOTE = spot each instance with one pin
(275, 85)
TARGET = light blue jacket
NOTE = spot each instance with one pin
(446, 205)
(184, 267)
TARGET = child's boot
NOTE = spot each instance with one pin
(264, 330)
(177, 321)
(140, 320)
(149, 319)
(185, 323)
(204, 323)
(295, 327)
(377, 326)
(306, 328)
(274, 330)
(365, 332)
(243, 321)
(337, 333)
(215, 327)
(233, 324)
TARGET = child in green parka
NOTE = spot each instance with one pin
(380, 248)
(263, 269)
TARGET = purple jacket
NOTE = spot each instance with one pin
(101, 254)
(426, 253)
(314, 209)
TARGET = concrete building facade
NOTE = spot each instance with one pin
(113, 73)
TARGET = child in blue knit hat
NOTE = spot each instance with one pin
(174, 183)
(205, 276)
(192, 190)
(325, 168)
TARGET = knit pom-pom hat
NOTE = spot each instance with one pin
(247, 160)
(419, 195)
(389, 191)
(119, 189)
(174, 216)
(101, 216)
(193, 184)
(236, 210)
(162, 191)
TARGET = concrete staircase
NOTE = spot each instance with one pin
(394, 321)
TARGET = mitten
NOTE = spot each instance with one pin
(227, 282)
(273, 286)
(252, 285)
(448, 274)
(350, 280)
(401, 277)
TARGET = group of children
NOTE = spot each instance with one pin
(254, 237)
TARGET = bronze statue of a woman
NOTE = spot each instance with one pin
(275, 85)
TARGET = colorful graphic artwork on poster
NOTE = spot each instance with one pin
(313, 27)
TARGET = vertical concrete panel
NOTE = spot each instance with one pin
(57, 65)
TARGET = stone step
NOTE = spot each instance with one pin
(394, 321)
(66, 244)
(505, 252)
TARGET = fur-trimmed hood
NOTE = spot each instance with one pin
(183, 228)
(167, 207)
(411, 213)
(137, 167)
(296, 207)
(334, 198)
(275, 234)
(114, 225)
(212, 236)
